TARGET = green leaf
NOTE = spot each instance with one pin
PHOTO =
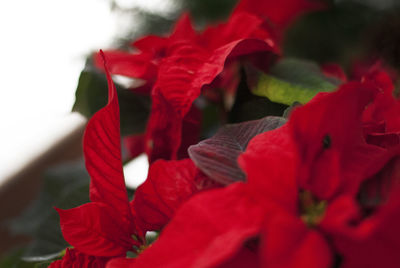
(293, 80)
(65, 186)
(91, 95)
(248, 106)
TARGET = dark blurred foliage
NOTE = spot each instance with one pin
(346, 31)
(202, 12)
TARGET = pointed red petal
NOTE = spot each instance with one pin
(74, 258)
(207, 230)
(270, 163)
(280, 13)
(96, 229)
(102, 151)
(289, 243)
(128, 64)
(167, 186)
(330, 141)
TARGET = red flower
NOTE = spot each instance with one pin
(298, 202)
(184, 63)
(104, 227)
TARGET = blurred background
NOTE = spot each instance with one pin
(45, 45)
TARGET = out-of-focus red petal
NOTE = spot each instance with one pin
(246, 257)
(340, 216)
(75, 259)
(152, 44)
(121, 263)
(280, 13)
(128, 64)
(135, 144)
(102, 151)
(239, 26)
(375, 242)
(207, 230)
(96, 229)
(334, 70)
(191, 128)
(180, 80)
(168, 185)
(288, 242)
(330, 141)
(270, 163)
(183, 30)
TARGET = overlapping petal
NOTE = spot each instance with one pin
(288, 242)
(331, 143)
(75, 259)
(167, 186)
(102, 151)
(105, 226)
(207, 230)
(280, 13)
(96, 229)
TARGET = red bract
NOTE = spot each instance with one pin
(289, 204)
(76, 259)
(168, 185)
(189, 66)
(185, 62)
(281, 14)
(104, 227)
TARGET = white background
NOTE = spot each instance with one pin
(43, 45)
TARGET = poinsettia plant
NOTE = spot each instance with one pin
(257, 159)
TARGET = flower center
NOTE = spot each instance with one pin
(311, 209)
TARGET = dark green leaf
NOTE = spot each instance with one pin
(91, 95)
(65, 186)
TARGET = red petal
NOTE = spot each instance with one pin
(334, 70)
(244, 258)
(121, 263)
(135, 144)
(375, 242)
(131, 65)
(96, 229)
(289, 243)
(207, 230)
(180, 80)
(75, 259)
(152, 44)
(329, 136)
(167, 186)
(271, 162)
(281, 13)
(102, 151)
(183, 30)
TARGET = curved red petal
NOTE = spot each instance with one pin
(96, 229)
(207, 230)
(168, 185)
(102, 151)
(270, 163)
(289, 243)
